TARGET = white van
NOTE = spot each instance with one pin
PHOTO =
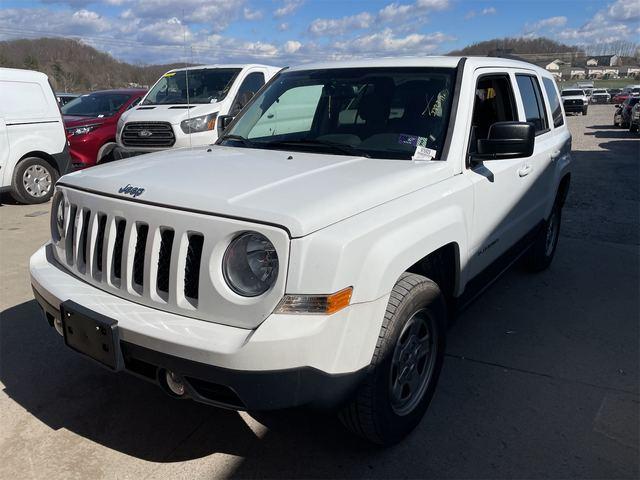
(33, 145)
(182, 107)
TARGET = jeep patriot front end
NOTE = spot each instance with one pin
(313, 255)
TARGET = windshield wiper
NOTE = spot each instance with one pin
(336, 147)
(245, 141)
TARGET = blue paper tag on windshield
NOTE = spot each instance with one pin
(407, 140)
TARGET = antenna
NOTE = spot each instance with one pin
(186, 74)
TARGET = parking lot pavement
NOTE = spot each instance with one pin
(541, 378)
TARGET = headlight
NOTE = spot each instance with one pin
(199, 124)
(250, 264)
(57, 216)
(81, 130)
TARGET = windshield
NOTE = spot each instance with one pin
(375, 112)
(571, 93)
(95, 105)
(599, 92)
(207, 85)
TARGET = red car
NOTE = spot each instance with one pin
(620, 97)
(90, 122)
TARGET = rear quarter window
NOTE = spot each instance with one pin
(554, 101)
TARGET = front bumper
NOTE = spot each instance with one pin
(574, 108)
(289, 360)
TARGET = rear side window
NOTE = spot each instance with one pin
(552, 95)
(532, 100)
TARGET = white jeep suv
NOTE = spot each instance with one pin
(315, 254)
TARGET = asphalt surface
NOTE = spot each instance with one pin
(541, 378)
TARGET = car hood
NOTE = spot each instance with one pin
(77, 121)
(173, 114)
(574, 97)
(302, 192)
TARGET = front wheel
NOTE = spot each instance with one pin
(406, 364)
(33, 181)
(633, 127)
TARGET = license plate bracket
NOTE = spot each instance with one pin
(92, 334)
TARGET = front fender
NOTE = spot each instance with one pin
(371, 250)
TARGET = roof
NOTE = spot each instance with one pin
(21, 74)
(132, 91)
(431, 61)
(222, 65)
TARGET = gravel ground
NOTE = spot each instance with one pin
(541, 378)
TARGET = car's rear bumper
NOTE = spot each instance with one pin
(287, 361)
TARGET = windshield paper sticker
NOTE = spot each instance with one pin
(170, 74)
(424, 153)
(412, 140)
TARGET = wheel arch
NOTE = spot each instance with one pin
(42, 155)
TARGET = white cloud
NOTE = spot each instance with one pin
(330, 26)
(252, 14)
(402, 16)
(489, 11)
(386, 42)
(615, 21)
(291, 46)
(624, 10)
(485, 11)
(551, 22)
(283, 27)
(289, 7)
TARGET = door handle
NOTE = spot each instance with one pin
(525, 170)
(555, 155)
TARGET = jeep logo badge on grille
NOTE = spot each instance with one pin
(145, 133)
(131, 190)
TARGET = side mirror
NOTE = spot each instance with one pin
(617, 105)
(506, 140)
(223, 123)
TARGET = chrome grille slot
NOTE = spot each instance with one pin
(121, 224)
(102, 226)
(164, 259)
(148, 134)
(192, 266)
(142, 232)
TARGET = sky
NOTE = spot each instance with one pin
(285, 32)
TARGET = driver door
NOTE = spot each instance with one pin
(498, 185)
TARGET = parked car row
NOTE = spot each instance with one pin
(623, 115)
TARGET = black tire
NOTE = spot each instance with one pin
(25, 194)
(584, 111)
(371, 414)
(633, 127)
(540, 254)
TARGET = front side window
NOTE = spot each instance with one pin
(534, 108)
(375, 112)
(247, 90)
(95, 105)
(206, 85)
(554, 101)
(494, 102)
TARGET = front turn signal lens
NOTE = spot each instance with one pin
(315, 304)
